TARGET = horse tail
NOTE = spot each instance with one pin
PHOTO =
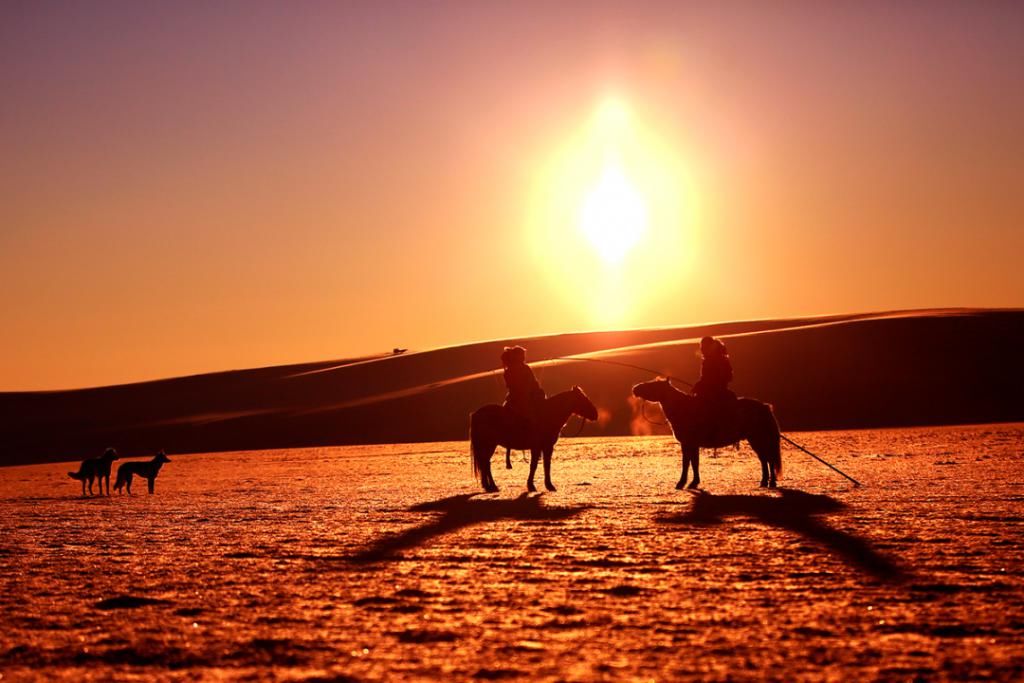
(776, 448)
(478, 453)
(472, 449)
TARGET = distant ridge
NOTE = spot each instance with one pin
(894, 368)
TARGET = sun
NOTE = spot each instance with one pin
(613, 216)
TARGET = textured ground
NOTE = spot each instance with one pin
(376, 563)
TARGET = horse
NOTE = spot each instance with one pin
(754, 422)
(491, 426)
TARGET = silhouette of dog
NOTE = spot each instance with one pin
(95, 468)
(148, 470)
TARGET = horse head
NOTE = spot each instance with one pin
(657, 390)
(582, 405)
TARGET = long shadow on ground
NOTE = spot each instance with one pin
(798, 512)
(459, 512)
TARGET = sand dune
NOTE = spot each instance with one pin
(845, 371)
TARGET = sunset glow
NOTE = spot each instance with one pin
(186, 191)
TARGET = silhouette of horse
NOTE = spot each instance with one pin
(754, 422)
(491, 426)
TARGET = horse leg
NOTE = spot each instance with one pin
(686, 468)
(547, 470)
(490, 486)
(772, 473)
(764, 454)
(534, 459)
(694, 454)
(483, 453)
(508, 458)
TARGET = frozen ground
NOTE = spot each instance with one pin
(378, 563)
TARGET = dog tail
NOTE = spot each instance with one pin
(76, 475)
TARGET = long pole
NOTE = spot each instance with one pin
(823, 462)
(624, 365)
(683, 381)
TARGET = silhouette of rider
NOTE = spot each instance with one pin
(712, 389)
(524, 396)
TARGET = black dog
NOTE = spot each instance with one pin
(95, 468)
(149, 470)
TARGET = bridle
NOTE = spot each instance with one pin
(643, 413)
(583, 423)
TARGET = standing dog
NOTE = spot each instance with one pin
(149, 470)
(95, 468)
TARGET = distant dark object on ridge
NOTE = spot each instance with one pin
(397, 351)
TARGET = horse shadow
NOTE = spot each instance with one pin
(461, 511)
(798, 512)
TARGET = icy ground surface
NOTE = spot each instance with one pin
(383, 563)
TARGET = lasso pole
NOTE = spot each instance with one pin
(624, 365)
(821, 460)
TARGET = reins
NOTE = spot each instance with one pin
(643, 413)
(583, 423)
(623, 365)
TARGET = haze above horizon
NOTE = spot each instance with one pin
(194, 188)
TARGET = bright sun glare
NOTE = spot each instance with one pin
(616, 187)
(613, 215)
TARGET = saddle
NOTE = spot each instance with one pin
(718, 422)
(518, 428)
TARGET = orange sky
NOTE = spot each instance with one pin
(190, 188)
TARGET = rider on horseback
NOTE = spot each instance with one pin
(525, 396)
(712, 389)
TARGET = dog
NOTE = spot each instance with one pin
(95, 468)
(149, 470)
